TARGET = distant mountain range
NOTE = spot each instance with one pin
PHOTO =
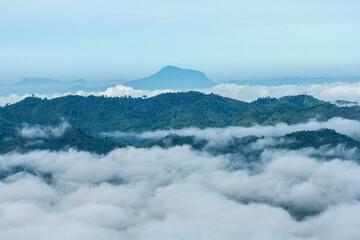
(169, 77)
(40, 81)
(51, 86)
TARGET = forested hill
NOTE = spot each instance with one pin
(71, 138)
(171, 110)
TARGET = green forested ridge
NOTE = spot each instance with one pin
(72, 137)
(319, 138)
(170, 110)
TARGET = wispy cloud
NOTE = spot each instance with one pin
(38, 131)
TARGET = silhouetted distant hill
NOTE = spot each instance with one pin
(171, 77)
(51, 86)
(37, 81)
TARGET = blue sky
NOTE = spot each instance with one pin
(228, 40)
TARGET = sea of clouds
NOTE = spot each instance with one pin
(176, 193)
(326, 91)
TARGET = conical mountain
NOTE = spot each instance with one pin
(171, 77)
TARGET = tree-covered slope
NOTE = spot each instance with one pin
(72, 138)
(171, 77)
(171, 110)
(319, 138)
(93, 114)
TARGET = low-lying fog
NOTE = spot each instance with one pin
(179, 193)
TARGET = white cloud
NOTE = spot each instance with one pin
(326, 91)
(22, 187)
(38, 131)
(177, 194)
(12, 98)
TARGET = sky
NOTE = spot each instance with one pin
(227, 40)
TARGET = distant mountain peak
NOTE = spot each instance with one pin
(28, 81)
(170, 68)
(173, 77)
(176, 70)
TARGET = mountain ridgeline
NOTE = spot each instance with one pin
(169, 77)
(90, 116)
(167, 111)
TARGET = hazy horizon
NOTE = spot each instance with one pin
(123, 79)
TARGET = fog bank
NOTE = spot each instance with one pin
(176, 194)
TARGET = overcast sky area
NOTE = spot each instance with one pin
(227, 40)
